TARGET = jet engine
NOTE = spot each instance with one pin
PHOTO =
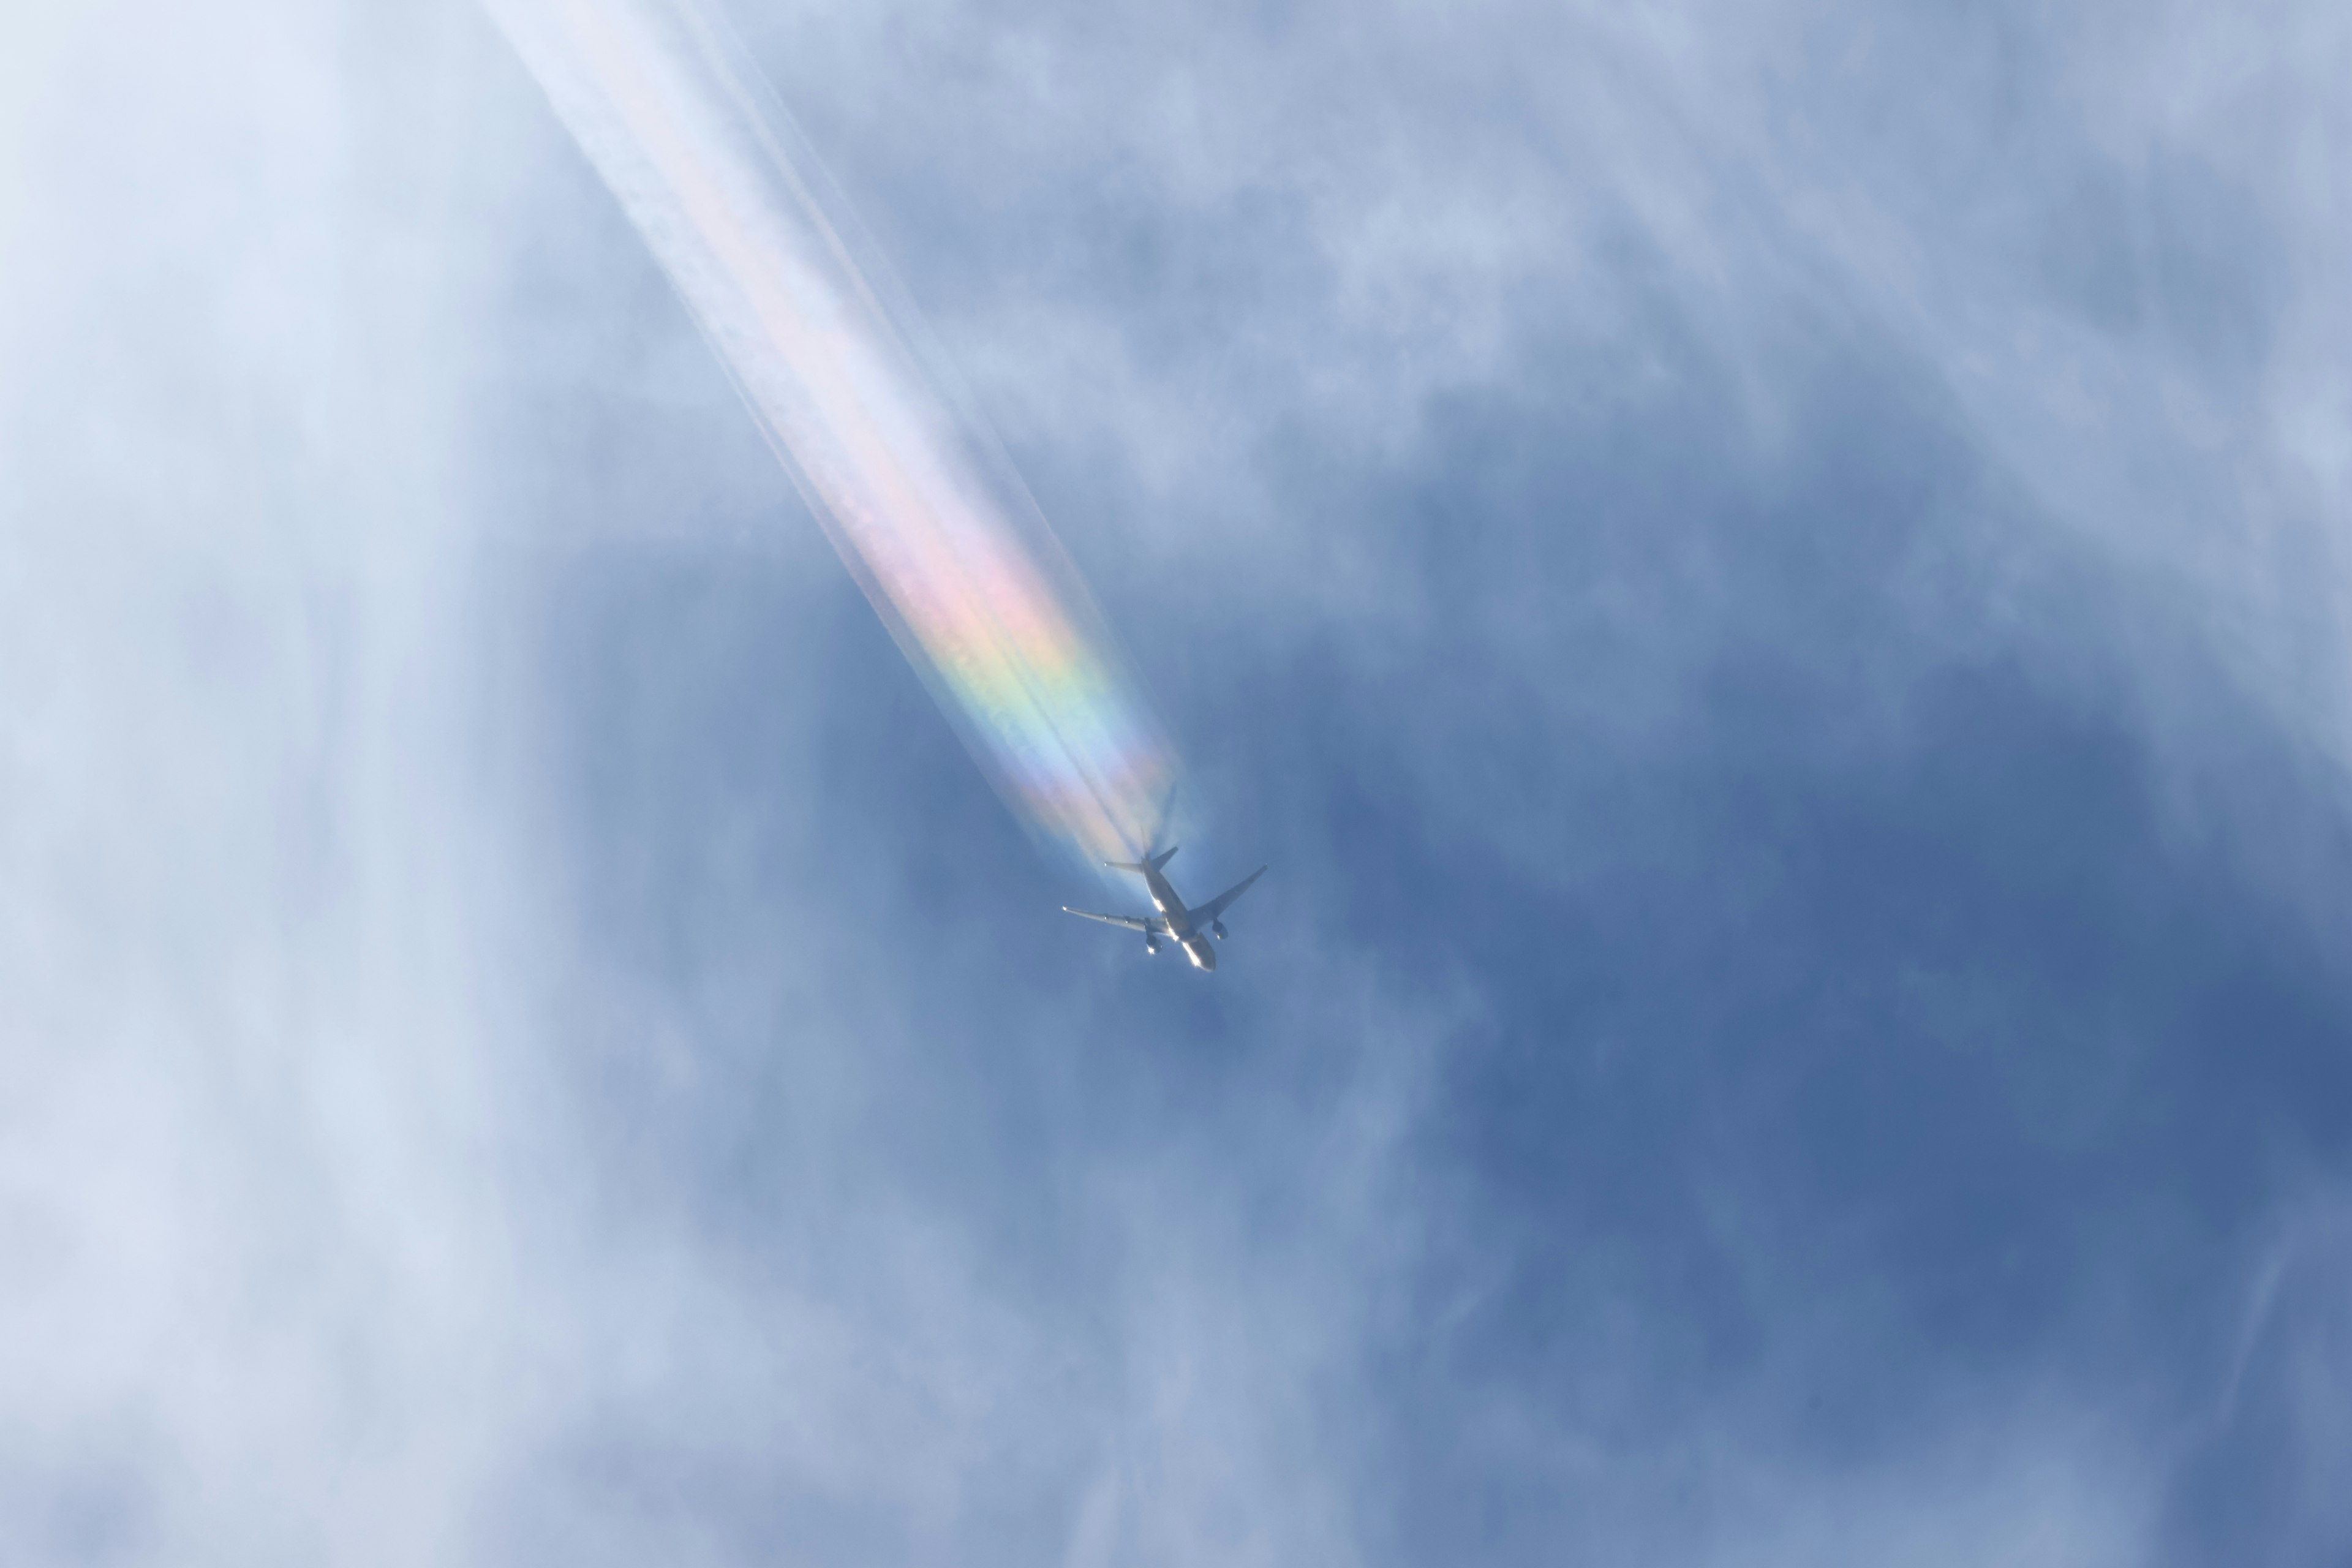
(1218, 926)
(1150, 945)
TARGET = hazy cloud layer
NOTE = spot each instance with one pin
(1769, 579)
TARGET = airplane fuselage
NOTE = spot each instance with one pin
(1180, 930)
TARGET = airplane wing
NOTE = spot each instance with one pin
(1154, 924)
(1218, 905)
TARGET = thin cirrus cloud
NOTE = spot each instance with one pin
(1761, 580)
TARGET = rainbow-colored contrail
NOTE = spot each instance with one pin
(918, 498)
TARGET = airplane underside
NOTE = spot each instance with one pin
(1196, 926)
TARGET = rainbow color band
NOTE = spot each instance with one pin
(915, 495)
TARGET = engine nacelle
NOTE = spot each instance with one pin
(1150, 946)
(1217, 928)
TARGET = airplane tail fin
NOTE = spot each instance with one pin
(1149, 863)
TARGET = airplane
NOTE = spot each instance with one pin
(1189, 929)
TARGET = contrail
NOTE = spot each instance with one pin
(915, 495)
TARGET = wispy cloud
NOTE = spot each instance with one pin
(1766, 582)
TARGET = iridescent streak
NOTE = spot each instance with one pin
(919, 503)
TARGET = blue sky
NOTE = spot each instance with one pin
(1769, 580)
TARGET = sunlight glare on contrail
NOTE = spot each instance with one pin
(915, 495)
